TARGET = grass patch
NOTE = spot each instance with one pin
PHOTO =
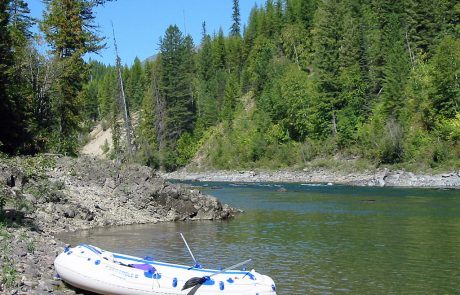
(48, 191)
(9, 273)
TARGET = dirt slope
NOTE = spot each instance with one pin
(98, 137)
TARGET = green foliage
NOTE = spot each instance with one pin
(47, 191)
(232, 94)
(9, 273)
(69, 41)
(257, 72)
(35, 167)
(186, 149)
(105, 147)
(395, 71)
(454, 128)
(446, 63)
(296, 45)
(175, 93)
(14, 103)
(106, 94)
(308, 83)
(235, 29)
(147, 136)
(135, 86)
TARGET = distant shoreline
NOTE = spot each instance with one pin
(376, 178)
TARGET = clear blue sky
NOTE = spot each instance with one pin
(139, 24)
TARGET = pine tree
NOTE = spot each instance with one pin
(307, 12)
(235, 29)
(106, 93)
(232, 94)
(428, 21)
(20, 22)
(6, 63)
(69, 41)
(371, 63)
(15, 94)
(234, 56)
(176, 68)
(352, 84)
(218, 50)
(396, 68)
(147, 136)
(207, 109)
(251, 31)
(136, 84)
(327, 42)
(446, 78)
(258, 63)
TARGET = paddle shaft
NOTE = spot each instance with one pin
(231, 267)
(186, 244)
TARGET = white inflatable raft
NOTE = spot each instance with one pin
(93, 269)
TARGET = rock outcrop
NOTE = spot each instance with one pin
(55, 194)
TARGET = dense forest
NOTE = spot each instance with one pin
(302, 80)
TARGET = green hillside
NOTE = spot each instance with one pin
(305, 81)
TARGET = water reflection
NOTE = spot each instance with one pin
(316, 239)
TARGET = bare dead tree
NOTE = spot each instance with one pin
(160, 108)
(122, 101)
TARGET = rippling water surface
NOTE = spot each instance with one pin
(316, 239)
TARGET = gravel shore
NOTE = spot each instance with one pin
(379, 178)
(55, 194)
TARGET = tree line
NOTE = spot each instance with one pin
(41, 93)
(303, 79)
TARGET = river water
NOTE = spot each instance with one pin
(315, 239)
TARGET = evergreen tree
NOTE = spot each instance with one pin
(446, 78)
(428, 22)
(7, 107)
(371, 62)
(69, 41)
(148, 137)
(295, 42)
(90, 102)
(232, 94)
(234, 57)
(176, 55)
(106, 93)
(235, 29)
(292, 11)
(20, 23)
(257, 71)
(251, 31)
(396, 68)
(374, 76)
(136, 84)
(351, 78)
(14, 93)
(218, 50)
(327, 42)
(307, 12)
(206, 103)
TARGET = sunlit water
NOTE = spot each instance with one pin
(315, 239)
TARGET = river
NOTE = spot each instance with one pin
(315, 239)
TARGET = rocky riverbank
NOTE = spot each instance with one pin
(378, 177)
(47, 195)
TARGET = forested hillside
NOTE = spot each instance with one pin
(303, 80)
(41, 93)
